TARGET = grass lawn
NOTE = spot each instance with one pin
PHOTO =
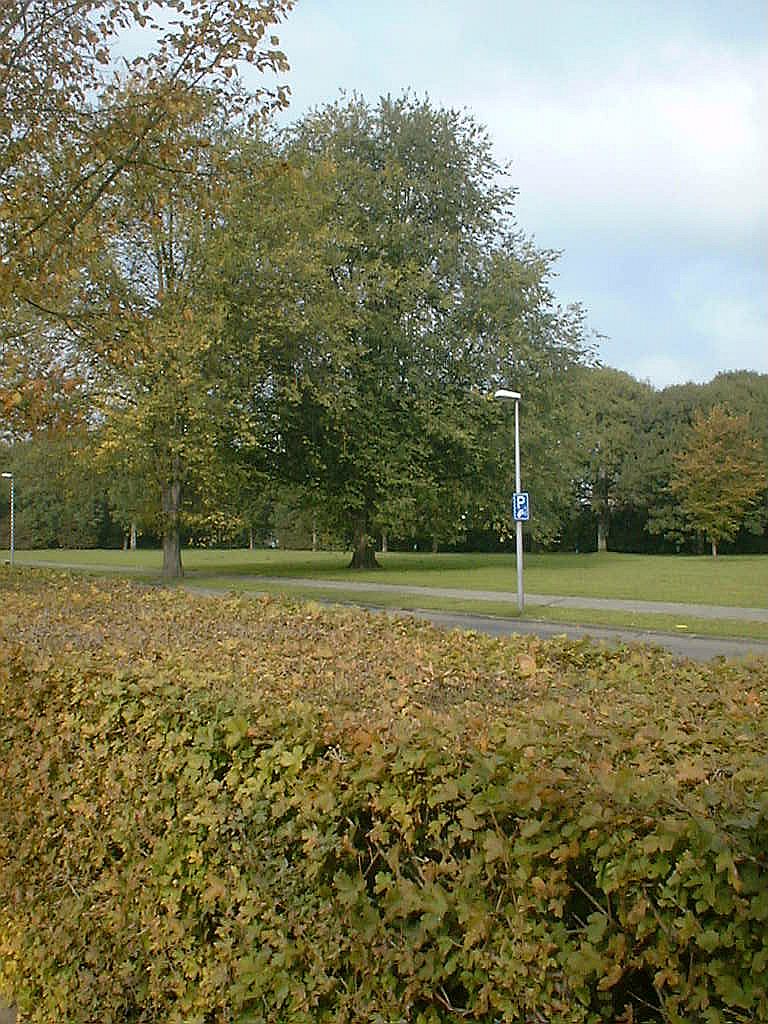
(738, 580)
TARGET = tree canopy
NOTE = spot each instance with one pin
(436, 299)
(609, 431)
(108, 181)
(73, 116)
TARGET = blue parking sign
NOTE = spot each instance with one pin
(521, 509)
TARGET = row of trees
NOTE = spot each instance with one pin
(205, 322)
(679, 468)
(671, 469)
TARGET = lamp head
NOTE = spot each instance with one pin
(8, 476)
(502, 393)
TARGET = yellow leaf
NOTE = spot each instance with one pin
(611, 978)
(495, 847)
(526, 665)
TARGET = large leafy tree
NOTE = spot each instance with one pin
(109, 184)
(664, 430)
(534, 346)
(151, 321)
(720, 477)
(197, 296)
(435, 300)
(60, 501)
(42, 382)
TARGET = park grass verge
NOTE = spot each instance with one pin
(143, 567)
(739, 580)
(676, 625)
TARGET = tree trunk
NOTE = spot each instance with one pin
(171, 499)
(363, 554)
(714, 549)
(602, 533)
(384, 542)
(434, 545)
(601, 506)
(134, 534)
(250, 538)
(314, 532)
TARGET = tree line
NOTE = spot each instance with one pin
(677, 469)
(219, 332)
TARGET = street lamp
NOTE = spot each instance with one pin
(9, 476)
(515, 397)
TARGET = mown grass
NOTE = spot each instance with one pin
(739, 580)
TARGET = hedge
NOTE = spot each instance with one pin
(257, 812)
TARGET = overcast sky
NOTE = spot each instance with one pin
(637, 136)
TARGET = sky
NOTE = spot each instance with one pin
(637, 135)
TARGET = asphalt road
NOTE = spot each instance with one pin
(685, 645)
(702, 611)
(697, 648)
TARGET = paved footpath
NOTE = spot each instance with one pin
(684, 645)
(701, 611)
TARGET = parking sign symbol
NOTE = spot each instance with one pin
(521, 510)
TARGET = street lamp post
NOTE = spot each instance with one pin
(9, 476)
(515, 397)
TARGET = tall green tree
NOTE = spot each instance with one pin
(106, 193)
(197, 300)
(534, 346)
(60, 497)
(720, 477)
(435, 300)
(665, 425)
(151, 320)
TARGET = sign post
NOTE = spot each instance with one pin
(520, 504)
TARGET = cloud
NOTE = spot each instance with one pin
(622, 125)
(602, 137)
(676, 144)
(728, 311)
(637, 137)
(665, 370)
(692, 318)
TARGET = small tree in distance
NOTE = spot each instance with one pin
(720, 477)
